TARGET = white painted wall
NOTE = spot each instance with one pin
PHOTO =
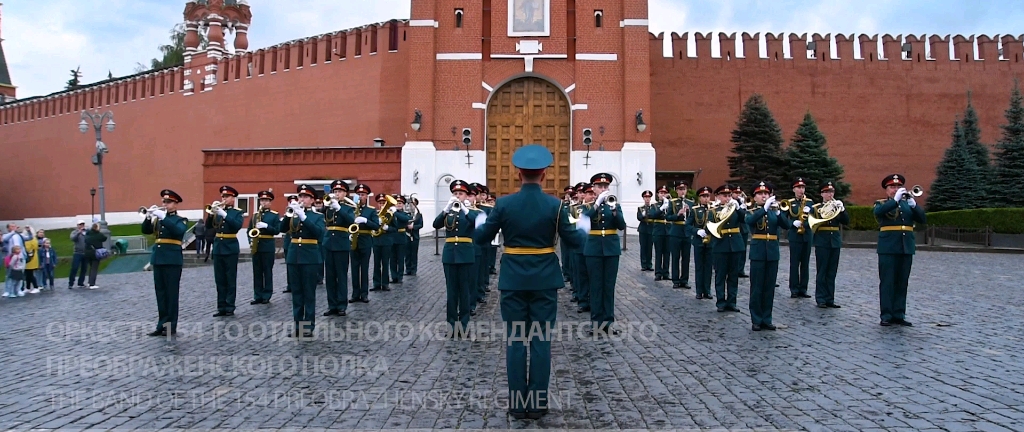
(624, 166)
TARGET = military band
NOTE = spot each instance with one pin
(828, 243)
(645, 231)
(580, 261)
(412, 257)
(458, 257)
(568, 200)
(660, 234)
(263, 227)
(764, 219)
(678, 240)
(362, 244)
(602, 252)
(800, 241)
(896, 216)
(727, 247)
(696, 221)
(339, 215)
(166, 258)
(305, 260)
(286, 245)
(225, 220)
(399, 240)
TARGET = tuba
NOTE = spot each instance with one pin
(722, 214)
(829, 210)
(254, 233)
(385, 214)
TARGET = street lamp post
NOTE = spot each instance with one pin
(92, 208)
(95, 120)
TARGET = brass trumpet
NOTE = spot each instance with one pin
(611, 200)
(457, 206)
(783, 205)
(212, 208)
(144, 211)
(916, 191)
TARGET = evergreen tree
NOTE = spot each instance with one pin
(757, 146)
(979, 155)
(956, 170)
(173, 53)
(1009, 165)
(807, 157)
(75, 81)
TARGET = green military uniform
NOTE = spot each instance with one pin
(529, 279)
(382, 250)
(727, 253)
(764, 226)
(286, 240)
(566, 251)
(479, 266)
(305, 260)
(264, 251)
(166, 259)
(828, 242)
(800, 241)
(602, 252)
(363, 242)
(896, 247)
(225, 253)
(458, 258)
(399, 240)
(660, 234)
(338, 216)
(582, 276)
(679, 240)
(696, 221)
(318, 206)
(646, 232)
(412, 258)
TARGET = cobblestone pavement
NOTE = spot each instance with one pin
(79, 359)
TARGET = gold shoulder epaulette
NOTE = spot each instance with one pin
(273, 211)
(881, 201)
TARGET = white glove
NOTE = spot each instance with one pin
(222, 213)
(301, 212)
(768, 202)
(807, 209)
(481, 219)
(385, 227)
(335, 205)
(797, 223)
(355, 199)
(664, 206)
(778, 212)
(583, 223)
(602, 197)
(742, 205)
(360, 220)
(900, 193)
(261, 225)
(913, 202)
(392, 210)
(159, 214)
(702, 233)
(465, 207)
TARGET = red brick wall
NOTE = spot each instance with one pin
(879, 117)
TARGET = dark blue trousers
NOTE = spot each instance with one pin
(522, 311)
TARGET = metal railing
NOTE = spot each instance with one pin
(136, 243)
(970, 236)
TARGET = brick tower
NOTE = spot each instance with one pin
(217, 17)
(7, 90)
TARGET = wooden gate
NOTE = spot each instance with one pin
(527, 111)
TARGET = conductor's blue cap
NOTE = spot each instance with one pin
(532, 157)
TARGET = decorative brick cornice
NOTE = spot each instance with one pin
(301, 156)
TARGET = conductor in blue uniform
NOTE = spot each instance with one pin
(530, 277)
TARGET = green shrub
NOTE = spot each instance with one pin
(1002, 220)
(862, 218)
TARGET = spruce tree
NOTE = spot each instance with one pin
(952, 175)
(979, 154)
(1009, 164)
(807, 157)
(757, 147)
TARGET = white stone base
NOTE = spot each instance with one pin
(427, 171)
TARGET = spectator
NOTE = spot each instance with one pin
(200, 233)
(15, 236)
(48, 263)
(210, 235)
(93, 240)
(31, 261)
(78, 259)
(15, 272)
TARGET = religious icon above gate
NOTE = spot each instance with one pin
(529, 17)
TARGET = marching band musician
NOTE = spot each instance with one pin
(582, 275)
(896, 247)
(458, 257)
(226, 220)
(800, 240)
(476, 294)
(660, 234)
(828, 241)
(697, 221)
(382, 249)
(286, 245)
(318, 206)
(166, 260)
(412, 257)
(399, 240)
(568, 193)
(727, 252)
(644, 230)
(337, 247)
(368, 221)
(737, 194)
(678, 240)
(307, 229)
(482, 277)
(486, 204)
(268, 223)
(602, 253)
(764, 221)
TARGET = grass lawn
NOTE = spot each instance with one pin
(60, 240)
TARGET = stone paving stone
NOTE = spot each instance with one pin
(82, 360)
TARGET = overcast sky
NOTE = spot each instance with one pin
(45, 39)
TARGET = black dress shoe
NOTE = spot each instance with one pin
(342, 313)
(677, 285)
(536, 415)
(331, 312)
(256, 302)
(220, 314)
(353, 300)
(794, 296)
(287, 291)
(768, 326)
(885, 323)
(685, 285)
(733, 308)
(160, 332)
(755, 327)
(804, 295)
(385, 289)
(518, 415)
(902, 322)
(582, 309)
(744, 275)
(364, 300)
(721, 309)
(823, 306)
(229, 314)
(658, 278)
(832, 305)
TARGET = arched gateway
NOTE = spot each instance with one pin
(527, 111)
